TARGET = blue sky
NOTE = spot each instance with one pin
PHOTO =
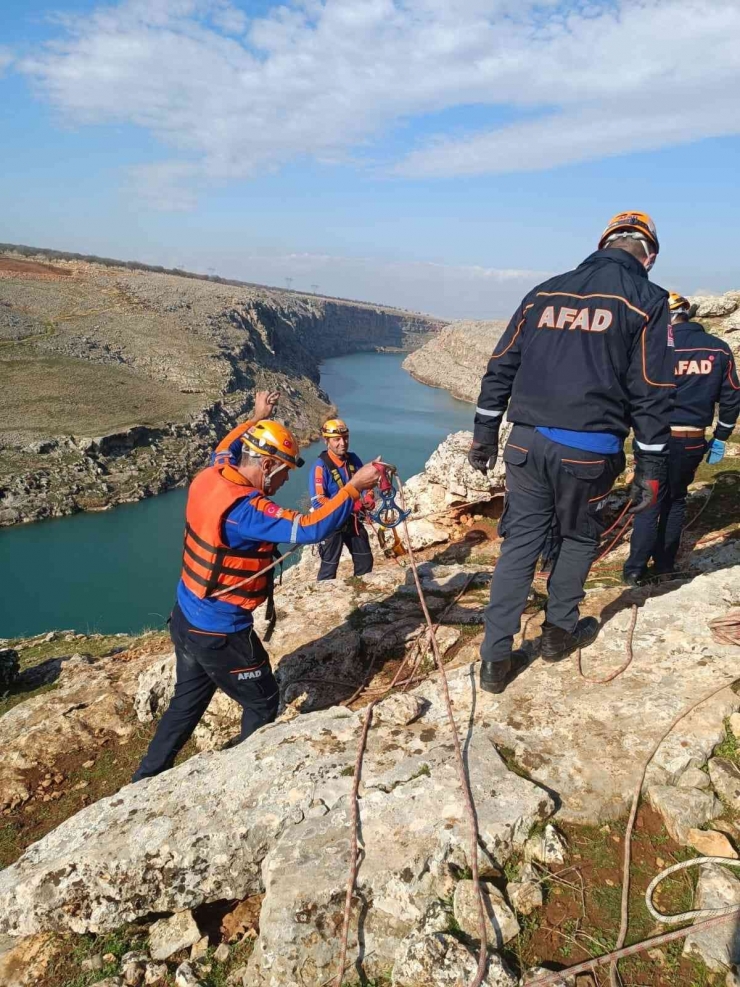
(439, 156)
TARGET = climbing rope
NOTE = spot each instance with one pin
(468, 798)
(624, 666)
(613, 957)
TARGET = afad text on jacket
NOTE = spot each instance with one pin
(591, 351)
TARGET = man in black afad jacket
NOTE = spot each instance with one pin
(586, 356)
(705, 376)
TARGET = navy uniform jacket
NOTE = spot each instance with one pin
(590, 351)
(705, 375)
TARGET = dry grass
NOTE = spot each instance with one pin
(53, 395)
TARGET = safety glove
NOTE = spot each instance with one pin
(482, 455)
(650, 472)
(484, 447)
(716, 452)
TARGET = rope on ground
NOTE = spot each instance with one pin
(354, 817)
(563, 977)
(624, 666)
(697, 912)
(464, 785)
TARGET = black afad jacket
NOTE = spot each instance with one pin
(705, 375)
(589, 350)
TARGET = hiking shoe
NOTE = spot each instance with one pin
(496, 675)
(632, 578)
(558, 644)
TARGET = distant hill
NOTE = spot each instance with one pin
(117, 378)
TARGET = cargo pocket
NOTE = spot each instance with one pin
(584, 469)
(515, 455)
(206, 640)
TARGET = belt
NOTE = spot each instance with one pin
(687, 431)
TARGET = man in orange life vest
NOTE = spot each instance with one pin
(334, 468)
(231, 529)
(705, 376)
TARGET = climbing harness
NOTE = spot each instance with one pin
(388, 513)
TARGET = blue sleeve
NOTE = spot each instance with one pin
(261, 520)
(232, 454)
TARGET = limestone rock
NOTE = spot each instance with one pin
(718, 947)
(733, 978)
(155, 973)
(525, 894)
(221, 953)
(683, 809)
(501, 923)
(734, 722)
(440, 960)
(548, 847)
(732, 324)
(709, 843)
(92, 963)
(169, 935)
(725, 776)
(185, 977)
(133, 968)
(26, 962)
(89, 702)
(714, 306)
(413, 828)
(199, 949)
(399, 709)
(456, 358)
(694, 778)
(155, 687)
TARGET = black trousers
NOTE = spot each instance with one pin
(354, 535)
(546, 482)
(236, 663)
(657, 531)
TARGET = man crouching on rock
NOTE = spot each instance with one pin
(231, 529)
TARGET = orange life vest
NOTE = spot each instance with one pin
(208, 563)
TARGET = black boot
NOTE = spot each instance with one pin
(633, 578)
(558, 644)
(496, 675)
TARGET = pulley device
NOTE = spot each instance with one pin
(387, 513)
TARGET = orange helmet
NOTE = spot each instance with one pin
(634, 223)
(333, 428)
(677, 303)
(270, 438)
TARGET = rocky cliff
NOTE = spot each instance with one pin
(267, 822)
(456, 358)
(116, 382)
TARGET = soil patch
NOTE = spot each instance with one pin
(9, 266)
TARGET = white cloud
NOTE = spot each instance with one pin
(233, 96)
(6, 59)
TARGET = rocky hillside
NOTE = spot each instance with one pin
(232, 867)
(456, 358)
(117, 381)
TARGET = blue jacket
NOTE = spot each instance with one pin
(322, 485)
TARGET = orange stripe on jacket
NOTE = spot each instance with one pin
(234, 434)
